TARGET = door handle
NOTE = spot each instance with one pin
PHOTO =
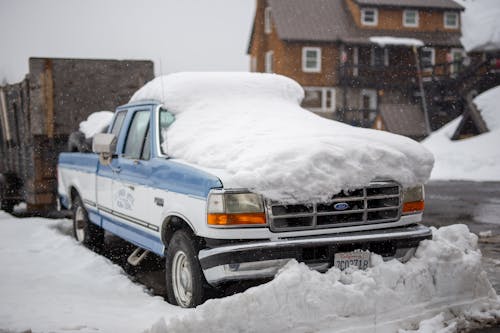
(159, 201)
(117, 170)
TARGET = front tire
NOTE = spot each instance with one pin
(84, 231)
(186, 285)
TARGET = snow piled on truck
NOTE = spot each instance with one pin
(250, 130)
(475, 158)
(97, 122)
(50, 283)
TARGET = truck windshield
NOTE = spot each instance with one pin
(166, 119)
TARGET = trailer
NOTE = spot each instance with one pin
(38, 114)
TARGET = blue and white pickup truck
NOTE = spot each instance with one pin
(209, 234)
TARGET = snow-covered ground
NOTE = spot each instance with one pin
(475, 158)
(49, 283)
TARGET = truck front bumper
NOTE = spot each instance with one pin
(263, 259)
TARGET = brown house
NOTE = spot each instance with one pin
(359, 60)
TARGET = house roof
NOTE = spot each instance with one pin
(330, 21)
(404, 119)
(435, 4)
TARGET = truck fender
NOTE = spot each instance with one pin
(171, 223)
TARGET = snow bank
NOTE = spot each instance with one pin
(444, 279)
(475, 158)
(480, 24)
(250, 130)
(388, 40)
(96, 123)
(49, 283)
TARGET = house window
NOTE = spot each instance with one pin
(379, 56)
(456, 58)
(369, 16)
(253, 64)
(319, 99)
(410, 18)
(451, 20)
(311, 59)
(269, 62)
(368, 99)
(427, 58)
(267, 20)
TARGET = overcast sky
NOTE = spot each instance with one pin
(187, 35)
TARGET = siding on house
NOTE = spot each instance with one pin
(356, 71)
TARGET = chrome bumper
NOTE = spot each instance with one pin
(263, 259)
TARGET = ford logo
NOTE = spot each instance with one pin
(341, 206)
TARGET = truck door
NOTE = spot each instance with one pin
(105, 174)
(132, 188)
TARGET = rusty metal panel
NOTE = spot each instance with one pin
(42, 110)
(82, 86)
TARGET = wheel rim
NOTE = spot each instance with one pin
(80, 223)
(182, 280)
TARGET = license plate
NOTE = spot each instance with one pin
(358, 259)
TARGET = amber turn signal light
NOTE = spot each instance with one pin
(413, 207)
(236, 219)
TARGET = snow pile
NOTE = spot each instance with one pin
(444, 279)
(250, 130)
(475, 158)
(388, 40)
(96, 123)
(480, 24)
(49, 283)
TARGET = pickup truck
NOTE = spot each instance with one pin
(211, 234)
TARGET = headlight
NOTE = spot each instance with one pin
(413, 200)
(230, 209)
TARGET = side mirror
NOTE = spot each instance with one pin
(104, 144)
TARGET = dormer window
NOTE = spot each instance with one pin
(451, 20)
(267, 20)
(410, 18)
(369, 16)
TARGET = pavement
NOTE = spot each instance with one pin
(476, 204)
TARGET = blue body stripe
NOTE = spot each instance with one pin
(79, 161)
(132, 234)
(64, 200)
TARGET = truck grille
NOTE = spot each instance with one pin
(378, 203)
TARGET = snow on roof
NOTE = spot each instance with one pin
(250, 131)
(475, 158)
(388, 40)
(181, 91)
(480, 25)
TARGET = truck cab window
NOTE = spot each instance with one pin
(166, 119)
(118, 123)
(136, 136)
